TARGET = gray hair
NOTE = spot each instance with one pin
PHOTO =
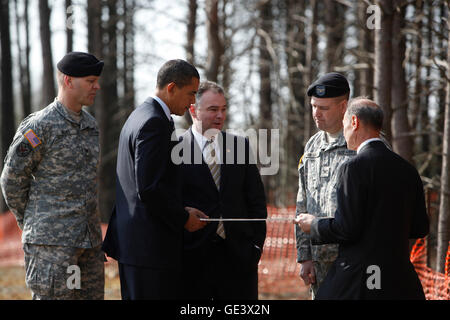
(207, 86)
(367, 111)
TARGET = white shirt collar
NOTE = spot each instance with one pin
(367, 142)
(164, 107)
(202, 140)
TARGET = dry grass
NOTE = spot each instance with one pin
(12, 283)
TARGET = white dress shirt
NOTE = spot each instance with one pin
(201, 141)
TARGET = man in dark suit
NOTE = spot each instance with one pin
(146, 228)
(220, 178)
(380, 205)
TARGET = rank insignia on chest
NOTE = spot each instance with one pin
(324, 172)
(32, 138)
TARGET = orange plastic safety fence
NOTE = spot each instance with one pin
(436, 285)
(279, 257)
(278, 263)
(447, 262)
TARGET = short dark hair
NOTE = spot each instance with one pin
(207, 86)
(178, 71)
(366, 111)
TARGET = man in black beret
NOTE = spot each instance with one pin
(323, 154)
(78, 76)
(49, 182)
(80, 64)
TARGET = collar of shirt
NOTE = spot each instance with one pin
(164, 107)
(366, 143)
(85, 121)
(333, 137)
(326, 145)
(202, 140)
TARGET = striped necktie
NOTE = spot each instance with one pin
(212, 162)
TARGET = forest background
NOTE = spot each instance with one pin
(264, 53)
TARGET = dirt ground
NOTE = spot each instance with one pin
(12, 286)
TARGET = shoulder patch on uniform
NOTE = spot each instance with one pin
(23, 149)
(32, 138)
(300, 162)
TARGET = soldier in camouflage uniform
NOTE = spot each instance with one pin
(318, 168)
(49, 182)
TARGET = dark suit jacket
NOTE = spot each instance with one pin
(380, 206)
(147, 224)
(241, 195)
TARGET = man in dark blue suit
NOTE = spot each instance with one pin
(380, 204)
(220, 178)
(146, 228)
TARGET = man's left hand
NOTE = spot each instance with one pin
(304, 220)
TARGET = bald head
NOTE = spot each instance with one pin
(367, 111)
(363, 120)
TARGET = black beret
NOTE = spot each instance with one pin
(80, 64)
(329, 85)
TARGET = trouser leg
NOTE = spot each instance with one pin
(58, 273)
(91, 263)
(321, 269)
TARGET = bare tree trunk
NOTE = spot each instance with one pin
(265, 90)
(190, 50)
(128, 58)
(69, 27)
(226, 69)
(423, 111)
(48, 84)
(365, 44)
(311, 65)
(444, 206)
(95, 41)
(109, 133)
(335, 29)
(439, 120)
(402, 141)
(191, 28)
(215, 48)
(23, 57)
(296, 62)
(27, 109)
(416, 100)
(7, 93)
(383, 64)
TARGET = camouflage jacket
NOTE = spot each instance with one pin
(317, 190)
(49, 179)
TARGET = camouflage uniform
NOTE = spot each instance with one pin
(318, 169)
(49, 182)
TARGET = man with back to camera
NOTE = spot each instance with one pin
(146, 228)
(324, 153)
(50, 184)
(380, 205)
(220, 261)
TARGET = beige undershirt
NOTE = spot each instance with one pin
(76, 116)
(332, 137)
